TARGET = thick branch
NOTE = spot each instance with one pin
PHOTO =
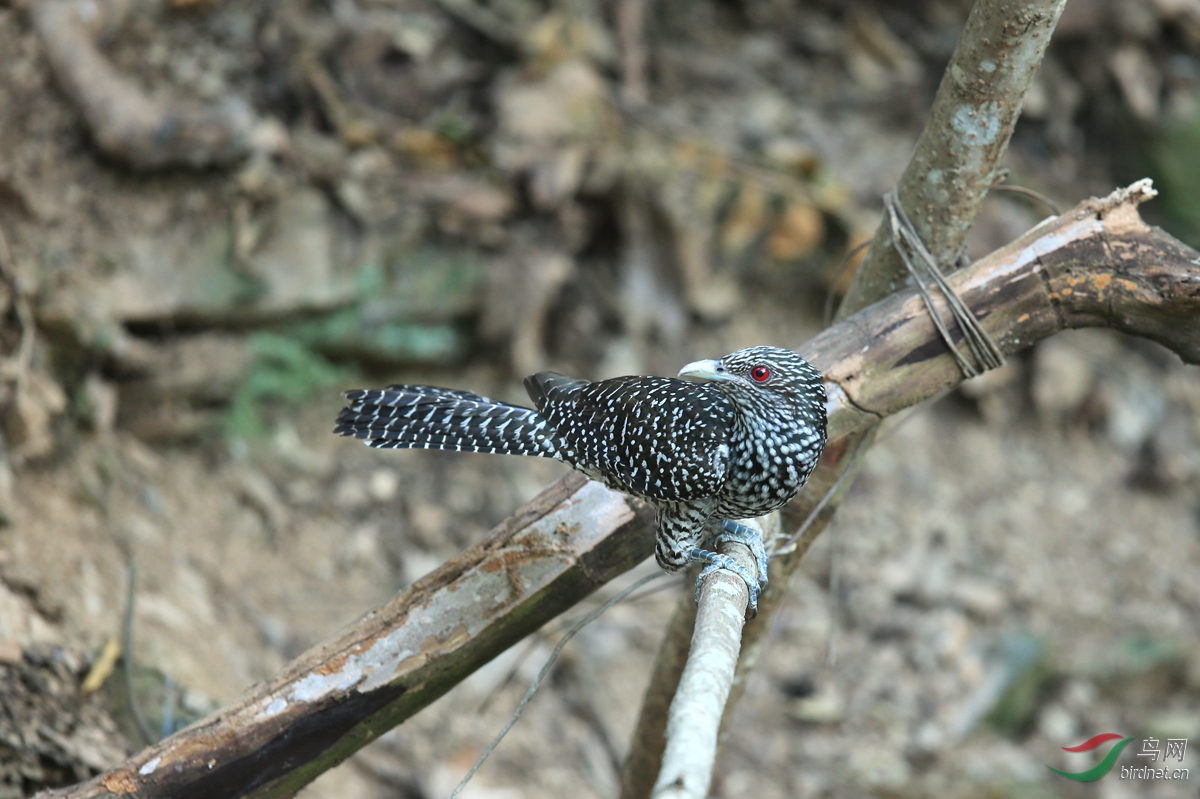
(1097, 265)
(958, 156)
(395, 660)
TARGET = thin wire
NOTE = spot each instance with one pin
(897, 237)
(541, 675)
(920, 264)
(827, 317)
(649, 592)
(985, 349)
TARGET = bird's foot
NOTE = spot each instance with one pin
(716, 560)
(733, 531)
(744, 534)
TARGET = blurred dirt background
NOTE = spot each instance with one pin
(217, 215)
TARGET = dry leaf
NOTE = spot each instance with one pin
(797, 232)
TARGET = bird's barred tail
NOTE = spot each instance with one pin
(426, 417)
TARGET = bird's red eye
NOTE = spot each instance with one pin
(760, 373)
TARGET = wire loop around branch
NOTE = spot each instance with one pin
(923, 267)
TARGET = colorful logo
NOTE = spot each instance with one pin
(1152, 750)
(1100, 769)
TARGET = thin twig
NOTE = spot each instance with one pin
(18, 367)
(1028, 192)
(765, 174)
(649, 592)
(482, 20)
(630, 14)
(514, 669)
(127, 657)
(531, 647)
(831, 296)
(835, 589)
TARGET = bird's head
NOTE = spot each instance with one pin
(764, 369)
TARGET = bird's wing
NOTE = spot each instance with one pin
(654, 436)
(545, 387)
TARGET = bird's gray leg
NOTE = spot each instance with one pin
(752, 538)
(717, 560)
(681, 528)
(734, 531)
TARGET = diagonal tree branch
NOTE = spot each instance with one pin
(396, 659)
(959, 155)
(1099, 264)
(694, 717)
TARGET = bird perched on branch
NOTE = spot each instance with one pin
(739, 445)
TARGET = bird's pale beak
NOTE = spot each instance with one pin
(705, 370)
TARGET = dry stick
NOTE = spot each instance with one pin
(797, 539)
(483, 20)
(17, 368)
(835, 559)
(531, 645)
(955, 162)
(658, 589)
(1097, 265)
(131, 698)
(630, 23)
(835, 591)
(694, 717)
(831, 295)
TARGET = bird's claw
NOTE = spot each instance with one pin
(715, 561)
(736, 531)
(733, 531)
